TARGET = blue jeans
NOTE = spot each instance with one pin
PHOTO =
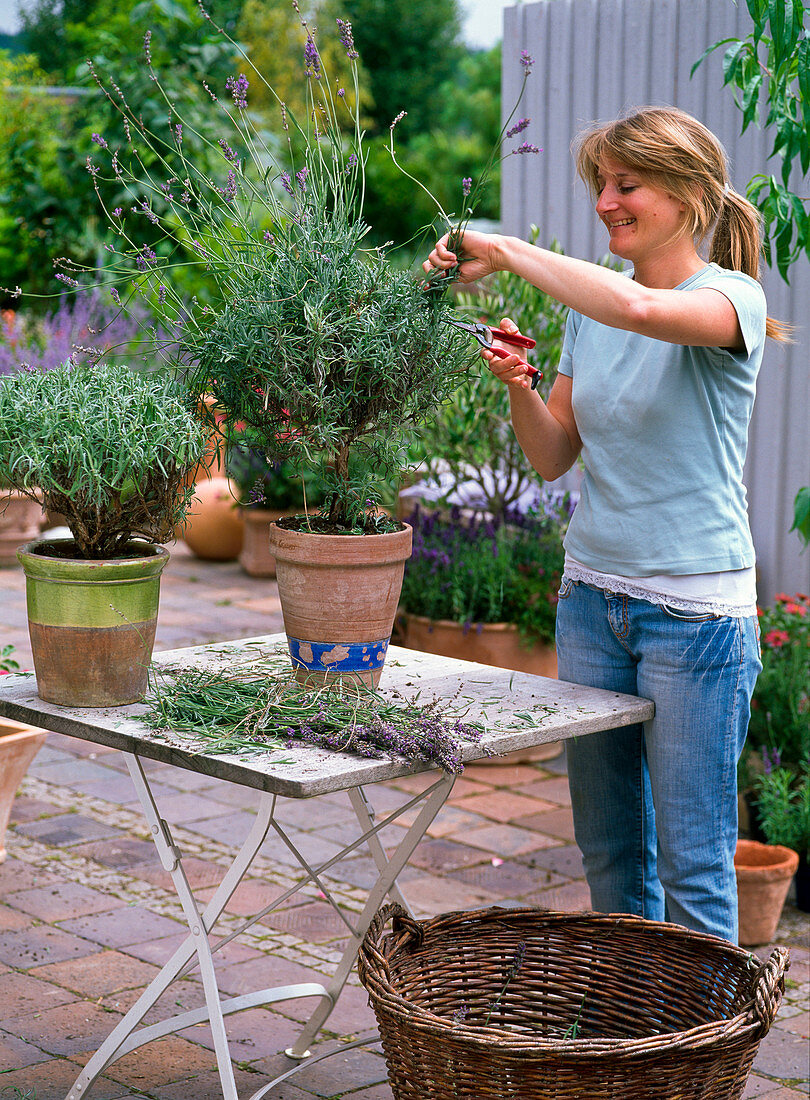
(655, 805)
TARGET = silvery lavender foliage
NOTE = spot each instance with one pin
(82, 329)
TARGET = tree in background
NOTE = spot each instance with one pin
(63, 34)
(411, 59)
(408, 48)
(48, 204)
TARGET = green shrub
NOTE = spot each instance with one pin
(107, 448)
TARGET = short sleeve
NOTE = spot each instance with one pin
(748, 299)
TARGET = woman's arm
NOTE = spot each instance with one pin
(704, 317)
(547, 433)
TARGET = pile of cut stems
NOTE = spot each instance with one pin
(261, 707)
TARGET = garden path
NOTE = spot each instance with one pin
(86, 911)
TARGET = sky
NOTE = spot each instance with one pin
(483, 19)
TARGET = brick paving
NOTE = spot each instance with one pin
(87, 914)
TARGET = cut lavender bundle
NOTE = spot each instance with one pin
(262, 707)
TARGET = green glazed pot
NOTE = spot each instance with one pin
(92, 623)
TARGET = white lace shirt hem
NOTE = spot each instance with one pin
(732, 592)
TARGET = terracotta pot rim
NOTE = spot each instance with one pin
(754, 859)
(364, 550)
(501, 627)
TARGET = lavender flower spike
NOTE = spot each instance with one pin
(312, 58)
(526, 147)
(347, 38)
(518, 128)
(466, 186)
(526, 61)
(238, 87)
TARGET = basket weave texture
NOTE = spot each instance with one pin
(592, 1006)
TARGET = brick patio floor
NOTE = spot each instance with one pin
(87, 914)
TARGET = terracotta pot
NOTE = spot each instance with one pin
(497, 644)
(764, 874)
(339, 596)
(214, 528)
(20, 519)
(802, 882)
(212, 463)
(19, 745)
(92, 623)
(256, 559)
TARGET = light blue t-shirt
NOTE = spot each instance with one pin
(664, 432)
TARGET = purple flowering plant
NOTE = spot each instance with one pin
(472, 191)
(81, 328)
(476, 569)
(326, 350)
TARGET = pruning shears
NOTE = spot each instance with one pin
(486, 335)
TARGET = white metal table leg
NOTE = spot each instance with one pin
(434, 799)
(364, 813)
(123, 1038)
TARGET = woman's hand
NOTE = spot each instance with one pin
(510, 369)
(477, 256)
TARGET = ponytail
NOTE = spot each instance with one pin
(736, 244)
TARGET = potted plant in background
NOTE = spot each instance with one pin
(19, 744)
(109, 450)
(485, 588)
(267, 491)
(20, 521)
(779, 727)
(783, 806)
(322, 346)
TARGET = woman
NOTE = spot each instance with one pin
(654, 392)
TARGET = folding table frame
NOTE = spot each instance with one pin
(517, 710)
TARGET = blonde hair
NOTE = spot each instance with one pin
(678, 154)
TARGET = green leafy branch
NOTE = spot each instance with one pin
(771, 65)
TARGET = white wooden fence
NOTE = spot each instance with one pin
(595, 59)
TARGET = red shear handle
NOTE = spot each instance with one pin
(533, 372)
(517, 339)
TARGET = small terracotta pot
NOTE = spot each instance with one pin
(256, 559)
(19, 745)
(215, 528)
(764, 873)
(497, 644)
(339, 596)
(20, 519)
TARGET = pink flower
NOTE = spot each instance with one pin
(777, 638)
(795, 609)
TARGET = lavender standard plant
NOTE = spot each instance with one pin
(318, 343)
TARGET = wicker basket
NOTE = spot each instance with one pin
(592, 1006)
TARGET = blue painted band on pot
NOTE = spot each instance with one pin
(337, 656)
